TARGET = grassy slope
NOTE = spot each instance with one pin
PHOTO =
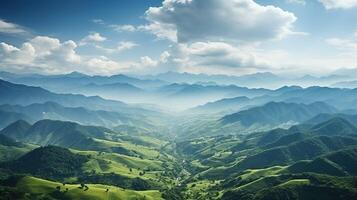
(12, 152)
(96, 192)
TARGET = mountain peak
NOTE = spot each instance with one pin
(76, 74)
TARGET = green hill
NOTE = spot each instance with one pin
(10, 149)
(340, 163)
(49, 132)
(23, 187)
(48, 162)
(275, 113)
(297, 187)
(16, 130)
(335, 126)
(303, 150)
(7, 117)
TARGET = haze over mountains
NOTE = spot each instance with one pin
(175, 136)
(178, 100)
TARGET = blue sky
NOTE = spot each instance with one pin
(292, 37)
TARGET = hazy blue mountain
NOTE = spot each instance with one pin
(277, 113)
(237, 103)
(113, 87)
(16, 130)
(52, 110)
(60, 133)
(26, 95)
(251, 80)
(266, 79)
(327, 116)
(191, 95)
(8, 117)
(334, 126)
(69, 82)
(345, 84)
(223, 105)
(340, 163)
(342, 99)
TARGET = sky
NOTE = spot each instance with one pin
(235, 37)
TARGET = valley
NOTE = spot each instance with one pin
(267, 145)
(178, 100)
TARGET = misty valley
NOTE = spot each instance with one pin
(75, 136)
(178, 100)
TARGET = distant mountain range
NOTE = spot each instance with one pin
(18, 94)
(55, 111)
(266, 79)
(60, 83)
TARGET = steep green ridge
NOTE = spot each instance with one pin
(16, 130)
(48, 162)
(222, 158)
(340, 163)
(44, 189)
(8, 117)
(278, 112)
(49, 132)
(303, 150)
(300, 186)
(10, 149)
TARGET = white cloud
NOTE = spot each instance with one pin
(11, 28)
(240, 20)
(123, 28)
(162, 31)
(92, 37)
(301, 2)
(122, 46)
(49, 55)
(147, 61)
(98, 21)
(126, 45)
(212, 57)
(40, 53)
(343, 44)
(338, 4)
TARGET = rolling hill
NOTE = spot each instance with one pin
(48, 162)
(340, 163)
(8, 117)
(275, 113)
(49, 132)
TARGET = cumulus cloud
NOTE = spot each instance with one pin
(122, 46)
(123, 28)
(345, 44)
(242, 20)
(40, 53)
(339, 4)
(11, 28)
(92, 37)
(211, 56)
(49, 55)
(98, 21)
